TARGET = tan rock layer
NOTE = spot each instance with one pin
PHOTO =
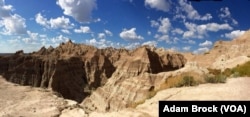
(75, 70)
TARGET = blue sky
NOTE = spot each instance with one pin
(179, 25)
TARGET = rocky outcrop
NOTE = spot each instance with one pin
(77, 71)
(224, 53)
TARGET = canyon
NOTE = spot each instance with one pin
(78, 79)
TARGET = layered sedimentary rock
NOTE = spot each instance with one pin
(225, 54)
(77, 71)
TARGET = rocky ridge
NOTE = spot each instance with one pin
(92, 76)
(224, 54)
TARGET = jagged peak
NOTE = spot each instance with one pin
(19, 52)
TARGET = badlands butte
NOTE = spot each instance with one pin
(81, 80)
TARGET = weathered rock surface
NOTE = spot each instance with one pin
(225, 54)
(76, 70)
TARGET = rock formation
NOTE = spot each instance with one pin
(77, 71)
(225, 54)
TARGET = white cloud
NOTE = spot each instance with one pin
(150, 43)
(234, 34)
(226, 15)
(154, 23)
(132, 45)
(11, 23)
(80, 10)
(33, 35)
(14, 24)
(109, 33)
(177, 31)
(161, 5)
(102, 43)
(97, 20)
(65, 31)
(5, 10)
(149, 32)
(186, 48)
(216, 27)
(164, 25)
(191, 42)
(83, 29)
(190, 12)
(59, 39)
(130, 34)
(199, 31)
(206, 44)
(59, 22)
(41, 20)
(164, 38)
(101, 35)
(201, 50)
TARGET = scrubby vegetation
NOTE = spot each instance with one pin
(216, 79)
(242, 70)
(187, 81)
(238, 71)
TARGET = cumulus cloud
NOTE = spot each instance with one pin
(59, 22)
(234, 34)
(5, 10)
(130, 34)
(226, 15)
(177, 31)
(11, 23)
(186, 48)
(14, 24)
(109, 33)
(161, 5)
(163, 25)
(102, 43)
(206, 44)
(201, 50)
(154, 23)
(101, 35)
(83, 29)
(65, 31)
(190, 12)
(80, 10)
(164, 38)
(41, 20)
(59, 39)
(150, 43)
(199, 31)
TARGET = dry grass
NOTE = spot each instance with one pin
(175, 81)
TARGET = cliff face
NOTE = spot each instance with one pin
(225, 54)
(77, 71)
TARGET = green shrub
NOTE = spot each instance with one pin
(243, 70)
(216, 79)
(187, 81)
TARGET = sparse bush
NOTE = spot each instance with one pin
(187, 81)
(214, 71)
(227, 72)
(243, 70)
(206, 53)
(216, 79)
(235, 74)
